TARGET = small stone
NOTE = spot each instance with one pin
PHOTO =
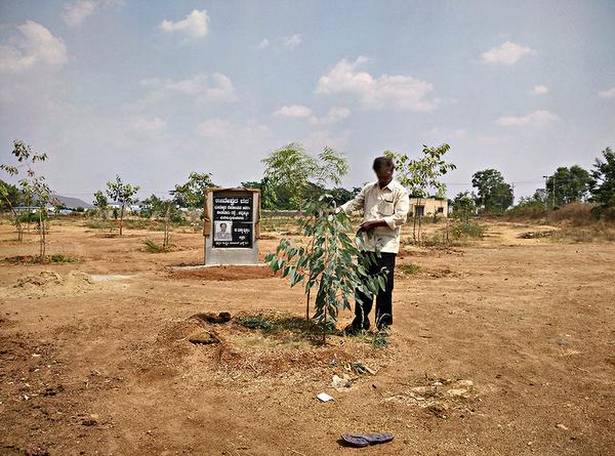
(91, 420)
(561, 426)
(203, 338)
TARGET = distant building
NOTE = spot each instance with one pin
(428, 207)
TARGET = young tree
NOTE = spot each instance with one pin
(602, 185)
(288, 171)
(326, 263)
(422, 175)
(33, 188)
(292, 175)
(494, 194)
(567, 185)
(464, 206)
(192, 193)
(161, 208)
(101, 203)
(122, 194)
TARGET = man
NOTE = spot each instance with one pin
(223, 234)
(385, 206)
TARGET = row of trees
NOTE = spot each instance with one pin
(493, 195)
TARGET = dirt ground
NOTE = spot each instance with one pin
(504, 346)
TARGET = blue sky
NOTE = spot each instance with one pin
(153, 90)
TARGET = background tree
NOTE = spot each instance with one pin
(293, 177)
(464, 206)
(567, 185)
(192, 194)
(122, 194)
(101, 203)
(422, 176)
(10, 198)
(288, 171)
(602, 184)
(494, 194)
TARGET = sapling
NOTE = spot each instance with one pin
(327, 261)
(33, 188)
(123, 194)
(419, 176)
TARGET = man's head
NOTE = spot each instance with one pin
(223, 227)
(384, 168)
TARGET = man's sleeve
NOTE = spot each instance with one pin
(400, 216)
(355, 204)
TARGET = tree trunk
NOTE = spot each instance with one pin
(41, 233)
(121, 219)
(307, 306)
(165, 242)
(324, 327)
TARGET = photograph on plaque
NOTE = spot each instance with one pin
(223, 231)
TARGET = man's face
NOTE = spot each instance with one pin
(223, 228)
(385, 175)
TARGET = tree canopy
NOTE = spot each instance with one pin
(292, 176)
(602, 184)
(191, 194)
(494, 194)
(567, 185)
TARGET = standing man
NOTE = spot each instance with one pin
(385, 204)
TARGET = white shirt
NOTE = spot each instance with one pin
(390, 204)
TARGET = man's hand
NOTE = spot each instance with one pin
(371, 224)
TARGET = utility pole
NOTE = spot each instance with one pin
(553, 193)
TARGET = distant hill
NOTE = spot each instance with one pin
(72, 203)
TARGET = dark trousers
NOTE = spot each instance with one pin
(384, 300)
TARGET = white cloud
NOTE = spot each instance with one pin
(609, 93)
(335, 114)
(397, 91)
(35, 46)
(297, 111)
(263, 44)
(508, 53)
(291, 42)
(75, 13)
(534, 119)
(214, 128)
(225, 131)
(217, 87)
(540, 90)
(195, 25)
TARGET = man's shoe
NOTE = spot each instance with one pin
(354, 329)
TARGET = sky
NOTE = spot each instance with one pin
(153, 90)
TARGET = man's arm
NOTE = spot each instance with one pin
(355, 204)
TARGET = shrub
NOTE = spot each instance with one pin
(410, 268)
(152, 247)
(464, 230)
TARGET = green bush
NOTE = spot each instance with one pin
(59, 258)
(465, 230)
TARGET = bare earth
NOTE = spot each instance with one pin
(505, 346)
